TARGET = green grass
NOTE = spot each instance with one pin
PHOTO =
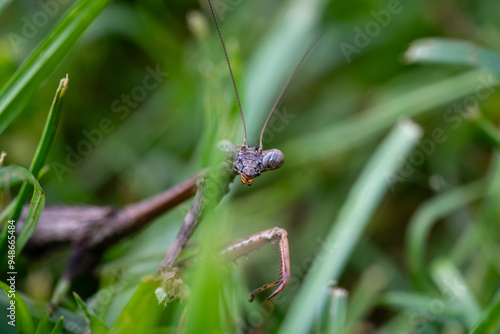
(51, 51)
(22, 315)
(389, 192)
(12, 175)
(352, 219)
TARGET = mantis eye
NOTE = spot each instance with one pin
(273, 159)
(227, 150)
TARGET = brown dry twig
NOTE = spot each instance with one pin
(90, 230)
(99, 227)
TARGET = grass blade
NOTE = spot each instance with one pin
(48, 134)
(12, 175)
(337, 311)
(37, 203)
(353, 218)
(50, 128)
(44, 326)
(453, 285)
(361, 129)
(96, 325)
(23, 84)
(451, 51)
(59, 327)
(22, 319)
(35, 210)
(426, 216)
(490, 318)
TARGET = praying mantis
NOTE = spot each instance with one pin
(249, 162)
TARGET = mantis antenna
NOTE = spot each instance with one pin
(231, 73)
(287, 84)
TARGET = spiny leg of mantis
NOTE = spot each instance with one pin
(244, 246)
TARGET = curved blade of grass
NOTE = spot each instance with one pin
(11, 176)
(46, 57)
(452, 51)
(37, 205)
(352, 220)
(454, 288)
(48, 134)
(96, 325)
(364, 127)
(16, 174)
(35, 210)
(426, 216)
(23, 319)
(490, 318)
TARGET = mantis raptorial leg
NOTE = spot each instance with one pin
(244, 246)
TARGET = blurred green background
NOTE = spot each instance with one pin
(350, 92)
